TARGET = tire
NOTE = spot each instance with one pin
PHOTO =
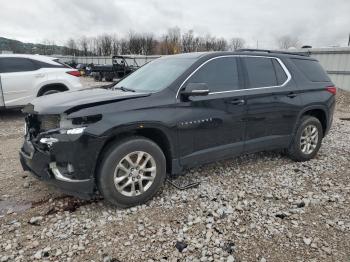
(299, 152)
(50, 91)
(114, 158)
(109, 77)
(97, 76)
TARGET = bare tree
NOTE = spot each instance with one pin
(115, 45)
(171, 42)
(286, 42)
(83, 45)
(237, 43)
(124, 47)
(105, 42)
(221, 45)
(148, 44)
(135, 43)
(71, 47)
(188, 42)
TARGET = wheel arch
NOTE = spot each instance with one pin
(155, 133)
(56, 86)
(317, 111)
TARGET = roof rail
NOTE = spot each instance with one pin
(274, 51)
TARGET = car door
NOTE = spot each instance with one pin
(272, 104)
(211, 127)
(18, 77)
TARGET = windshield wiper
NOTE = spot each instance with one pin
(125, 89)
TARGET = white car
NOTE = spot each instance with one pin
(24, 77)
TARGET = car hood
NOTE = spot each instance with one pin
(68, 102)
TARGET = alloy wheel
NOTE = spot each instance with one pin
(309, 139)
(135, 173)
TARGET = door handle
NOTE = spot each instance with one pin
(292, 95)
(236, 102)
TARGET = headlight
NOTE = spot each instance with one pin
(74, 124)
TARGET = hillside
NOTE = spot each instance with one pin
(30, 48)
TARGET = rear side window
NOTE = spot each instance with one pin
(15, 64)
(312, 70)
(280, 73)
(261, 72)
(220, 74)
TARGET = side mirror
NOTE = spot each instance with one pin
(195, 89)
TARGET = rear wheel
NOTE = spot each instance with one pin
(97, 76)
(132, 172)
(109, 77)
(307, 140)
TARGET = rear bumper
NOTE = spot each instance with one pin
(47, 165)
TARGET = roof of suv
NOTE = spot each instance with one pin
(41, 58)
(255, 52)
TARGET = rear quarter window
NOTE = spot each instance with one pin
(312, 70)
(280, 73)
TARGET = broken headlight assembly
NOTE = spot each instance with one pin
(75, 126)
(69, 126)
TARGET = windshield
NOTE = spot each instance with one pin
(156, 75)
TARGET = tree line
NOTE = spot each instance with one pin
(173, 42)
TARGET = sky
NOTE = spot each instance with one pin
(319, 23)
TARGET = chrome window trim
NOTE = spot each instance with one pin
(289, 77)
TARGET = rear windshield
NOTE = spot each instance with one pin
(312, 70)
(61, 63)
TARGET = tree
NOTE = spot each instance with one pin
(237, 43)
(171, 42)
(83, 45)
(220, 45)
(286, 42)
(71, 47)
(148, 44)
(135, 43)
(115, 45)
(105, 44)
(188, 42)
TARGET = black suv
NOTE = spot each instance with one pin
(177, 112)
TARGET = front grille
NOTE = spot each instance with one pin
(48, 122)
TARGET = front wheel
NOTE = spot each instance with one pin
(132, 172)
(307, 140)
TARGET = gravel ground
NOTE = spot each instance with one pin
(258, 207)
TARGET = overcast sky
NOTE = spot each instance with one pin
(316, 22)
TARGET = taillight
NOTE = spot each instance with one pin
(74, 73)
(332, 89)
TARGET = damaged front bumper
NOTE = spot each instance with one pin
(66, 161)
